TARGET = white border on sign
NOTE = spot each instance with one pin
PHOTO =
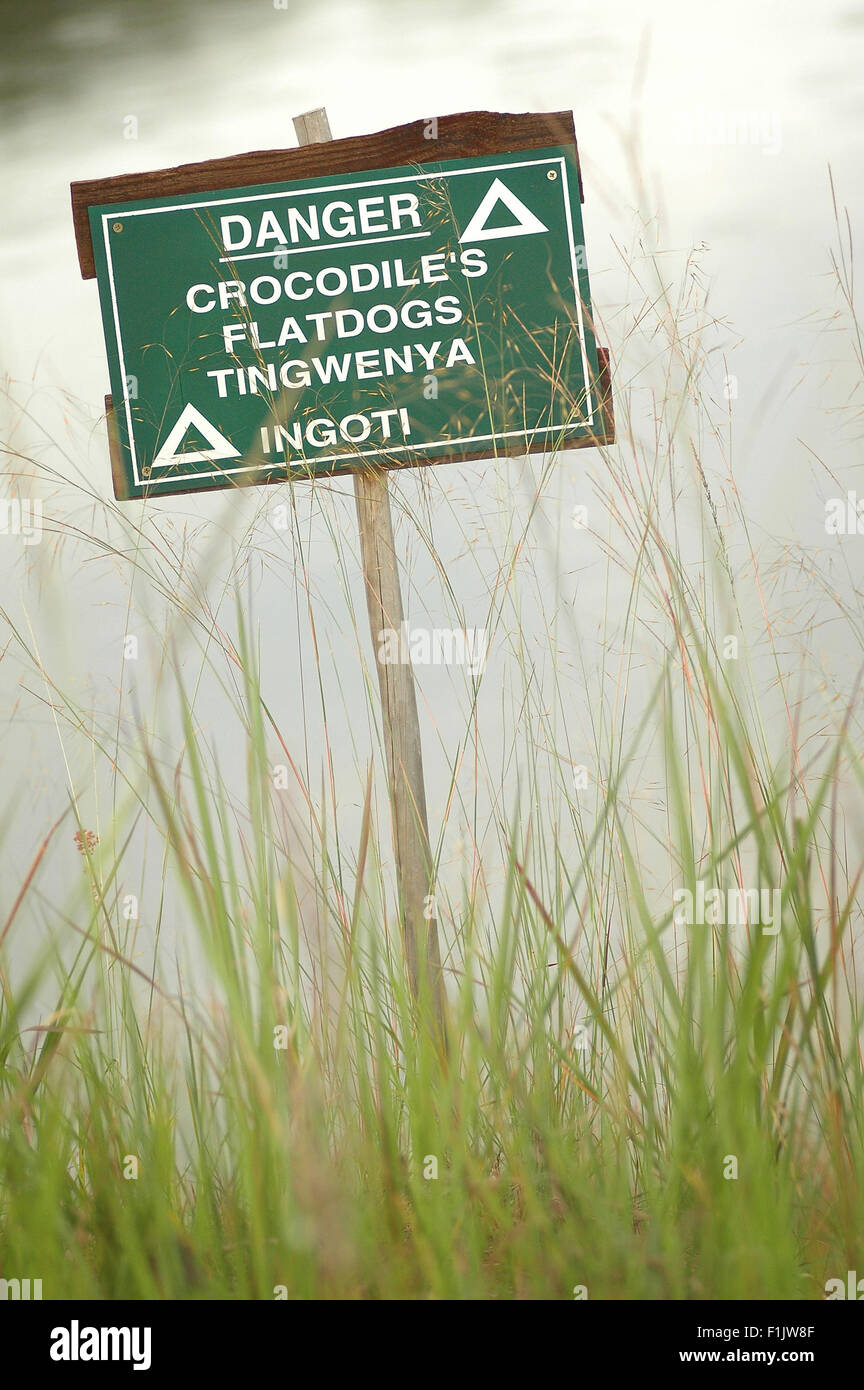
(304, 463)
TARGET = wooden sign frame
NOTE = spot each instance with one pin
(469, 135)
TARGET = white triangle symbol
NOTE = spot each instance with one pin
(526, 222)
(222, 447)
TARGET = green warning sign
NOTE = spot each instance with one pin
(390, 317)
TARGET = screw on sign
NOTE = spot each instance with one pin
(282, 314)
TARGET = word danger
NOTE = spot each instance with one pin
(375, 215)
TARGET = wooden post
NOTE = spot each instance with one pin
(398, 708)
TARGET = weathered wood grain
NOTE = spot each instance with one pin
(465, 136)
